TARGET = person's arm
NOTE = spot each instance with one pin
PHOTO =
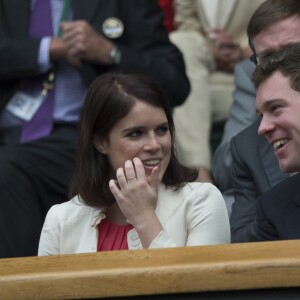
(18, 54)
(242, 113)
(207, 217)
(49, 243)
(18, 57)
(185, 15)
(242, 219)
(144, 45)
(263, 228)
(150, 51)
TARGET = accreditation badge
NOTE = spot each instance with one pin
(113, 28)
(24, 106)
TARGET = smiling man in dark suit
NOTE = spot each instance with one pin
(254, 171)
(278, 103)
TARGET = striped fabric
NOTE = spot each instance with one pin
(112, 236)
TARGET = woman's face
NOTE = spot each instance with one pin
(143, 133)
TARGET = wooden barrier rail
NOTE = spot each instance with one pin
(152, 271)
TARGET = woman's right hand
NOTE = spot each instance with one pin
(137, 198)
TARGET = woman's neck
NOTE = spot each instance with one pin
(114, 215)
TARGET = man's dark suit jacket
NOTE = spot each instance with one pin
(254, 171)
(278, 212)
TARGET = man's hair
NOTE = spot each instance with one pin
(286, 60)
(269, 13)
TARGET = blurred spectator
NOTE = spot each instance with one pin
(212, 37)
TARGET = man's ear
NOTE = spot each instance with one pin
(100, 144)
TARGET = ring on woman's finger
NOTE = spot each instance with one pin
(130, 178)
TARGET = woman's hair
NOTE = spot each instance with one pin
(286, 60)
(269, 13)
(109, 99)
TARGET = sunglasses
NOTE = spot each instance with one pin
(254, 59)
(258, 58)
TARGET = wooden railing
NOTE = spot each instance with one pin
(153, 271)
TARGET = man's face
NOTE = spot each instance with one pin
(279, 107)
(278, 35)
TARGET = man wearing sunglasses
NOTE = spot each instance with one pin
(251, 159)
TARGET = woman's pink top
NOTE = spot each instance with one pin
(112, 236)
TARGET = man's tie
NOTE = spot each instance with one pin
(41, 123)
